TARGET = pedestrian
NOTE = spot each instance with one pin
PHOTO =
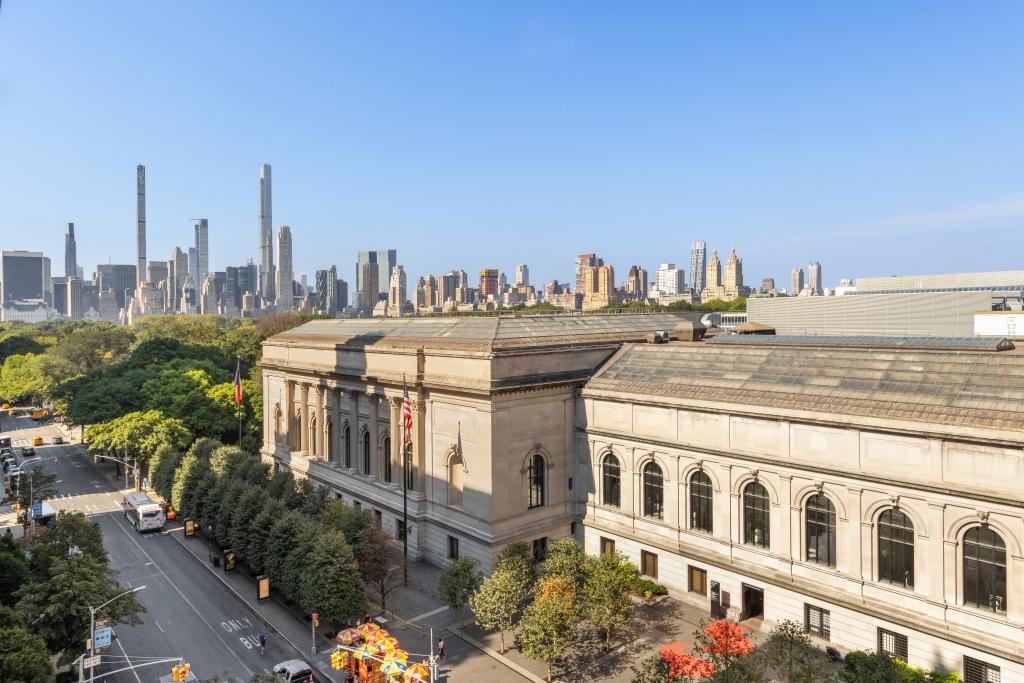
(440, 648)
(366, 619)
(262, 637)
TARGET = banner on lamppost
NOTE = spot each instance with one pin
(262, 588)
(229, 560)
(190, 527)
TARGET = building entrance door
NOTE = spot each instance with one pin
(753, 602)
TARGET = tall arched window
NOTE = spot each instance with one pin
(984, 569)
(611, 481)
(654, 491)
(346, 436)
(701, 499)
(756, 516)
(329, 439)
(896, 548)
(312, 436)
(386, 458)
(455, 480)
(366, 452)
(821, 530)
(535, 474)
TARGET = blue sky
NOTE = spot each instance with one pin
(876, 138)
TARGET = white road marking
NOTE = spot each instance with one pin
(183, 596)
(159, 626)
(428, 614)
(125, 654)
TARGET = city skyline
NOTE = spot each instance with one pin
(761, 169)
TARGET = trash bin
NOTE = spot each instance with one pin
(215, 559)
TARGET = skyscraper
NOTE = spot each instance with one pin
(636, 283)
(267, 283)
(698, 265)
(140, 222)
(386, 259)
(70, 253)
(326, 291)
(522, 274)
(814, 278)
(156, 272)
(25, 276)
(285, 290)
(193, 264)
(668, 280)
(584, 261)
(202, 267)
(396, 292)
(488, 283)
(118, 278)
(176, 278)
(796, 281)
(369, 294)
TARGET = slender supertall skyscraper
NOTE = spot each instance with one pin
(70, 253)
(266, 236)
(285, 293)
(202, 267)
(140, 223)
(698, 265)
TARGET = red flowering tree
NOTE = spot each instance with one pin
(720, 654)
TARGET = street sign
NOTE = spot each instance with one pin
(37, 510)
(90, 662)
(102, 637)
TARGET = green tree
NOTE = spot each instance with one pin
(653, 669)
(23, 657)
(13, 569)
(247, 509)
(187, 477)
(793, 656)
(289, 535)
(259, 535)
(458, 582)
(566, 559)
(355, 524)
(70, 534)
(878, 667)
(499, 600)
(22, 379)
(139, 434)
(377, 567)
(548, 627)
(162, 469)
(184, 395)
(88, 348)
(222, 399)
(605, 595)
(329, 581)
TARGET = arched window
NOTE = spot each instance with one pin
(896, 548)
(455, 480)
(329, 438)
(701, 499)
(611, 481)
(756, 516)
(366, 452)
(984, 569)
(821, 530)
(346, 436)
(386, 458)
(312, 436)
(654, 491)
(535, 474)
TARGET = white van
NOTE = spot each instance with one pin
(143, 513)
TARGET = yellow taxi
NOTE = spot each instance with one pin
(37, 441)
(5, 406)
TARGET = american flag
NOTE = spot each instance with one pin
(406, 413)
(238, 382)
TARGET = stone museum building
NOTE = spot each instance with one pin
(871, 489)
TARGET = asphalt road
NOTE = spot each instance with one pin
(189, 613)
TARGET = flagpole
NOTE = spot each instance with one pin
(406, 445)
(238, 404)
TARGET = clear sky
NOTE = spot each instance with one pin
(876, 138)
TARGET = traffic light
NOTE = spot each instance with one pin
(338, 660)
(316, 620)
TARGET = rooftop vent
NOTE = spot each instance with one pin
(690, 330)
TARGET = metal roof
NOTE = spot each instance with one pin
(945, 343)
(948, 387)
(484, 333)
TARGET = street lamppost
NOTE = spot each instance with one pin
(92, 622)
(31, 495)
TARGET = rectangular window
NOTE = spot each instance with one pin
(378, 517)
(892, 644)
(607, 546)
(698, 581)
(572, 528)
(648, 564)
(359, 506)
(453, 548)
(977, 671)
(817, 621)
(540, 549)
(570, 483)
(400, 527)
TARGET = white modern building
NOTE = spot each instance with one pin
(668, 280)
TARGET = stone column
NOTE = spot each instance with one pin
(304, 421)
(336, 445)
(286, 422)
(929, 560)
(353, 424)
(419, 437)
(374, 408)
(397, 440)
(788, 530)
(321, 423)
(857, 564)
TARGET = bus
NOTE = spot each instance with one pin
(143, 513)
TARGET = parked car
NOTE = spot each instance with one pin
(27, 451)
(293, 671)
(57, 440)
(37, 441)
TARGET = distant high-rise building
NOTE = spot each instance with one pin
(178, 271)
(713, 272)
(768, 285)
(698, 265)
(448, 287)
(202, 266)
(796, 281)
(814, 279)
(522, 274)
(25, 276)
(729, 288)
(733, 271)
(285, 277)
(668, 280)
(370, 292)
(396, 292)
(59, 286)
(340, 294)
(488, 283)
(385, 259)
(636, 283)
(327, 291)
(140, 223)
(119, 278)
(156, 272)
(74, 307)
(267, 288)
(598, 286)
(304, 284)
(70, 253)
(584, 261)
